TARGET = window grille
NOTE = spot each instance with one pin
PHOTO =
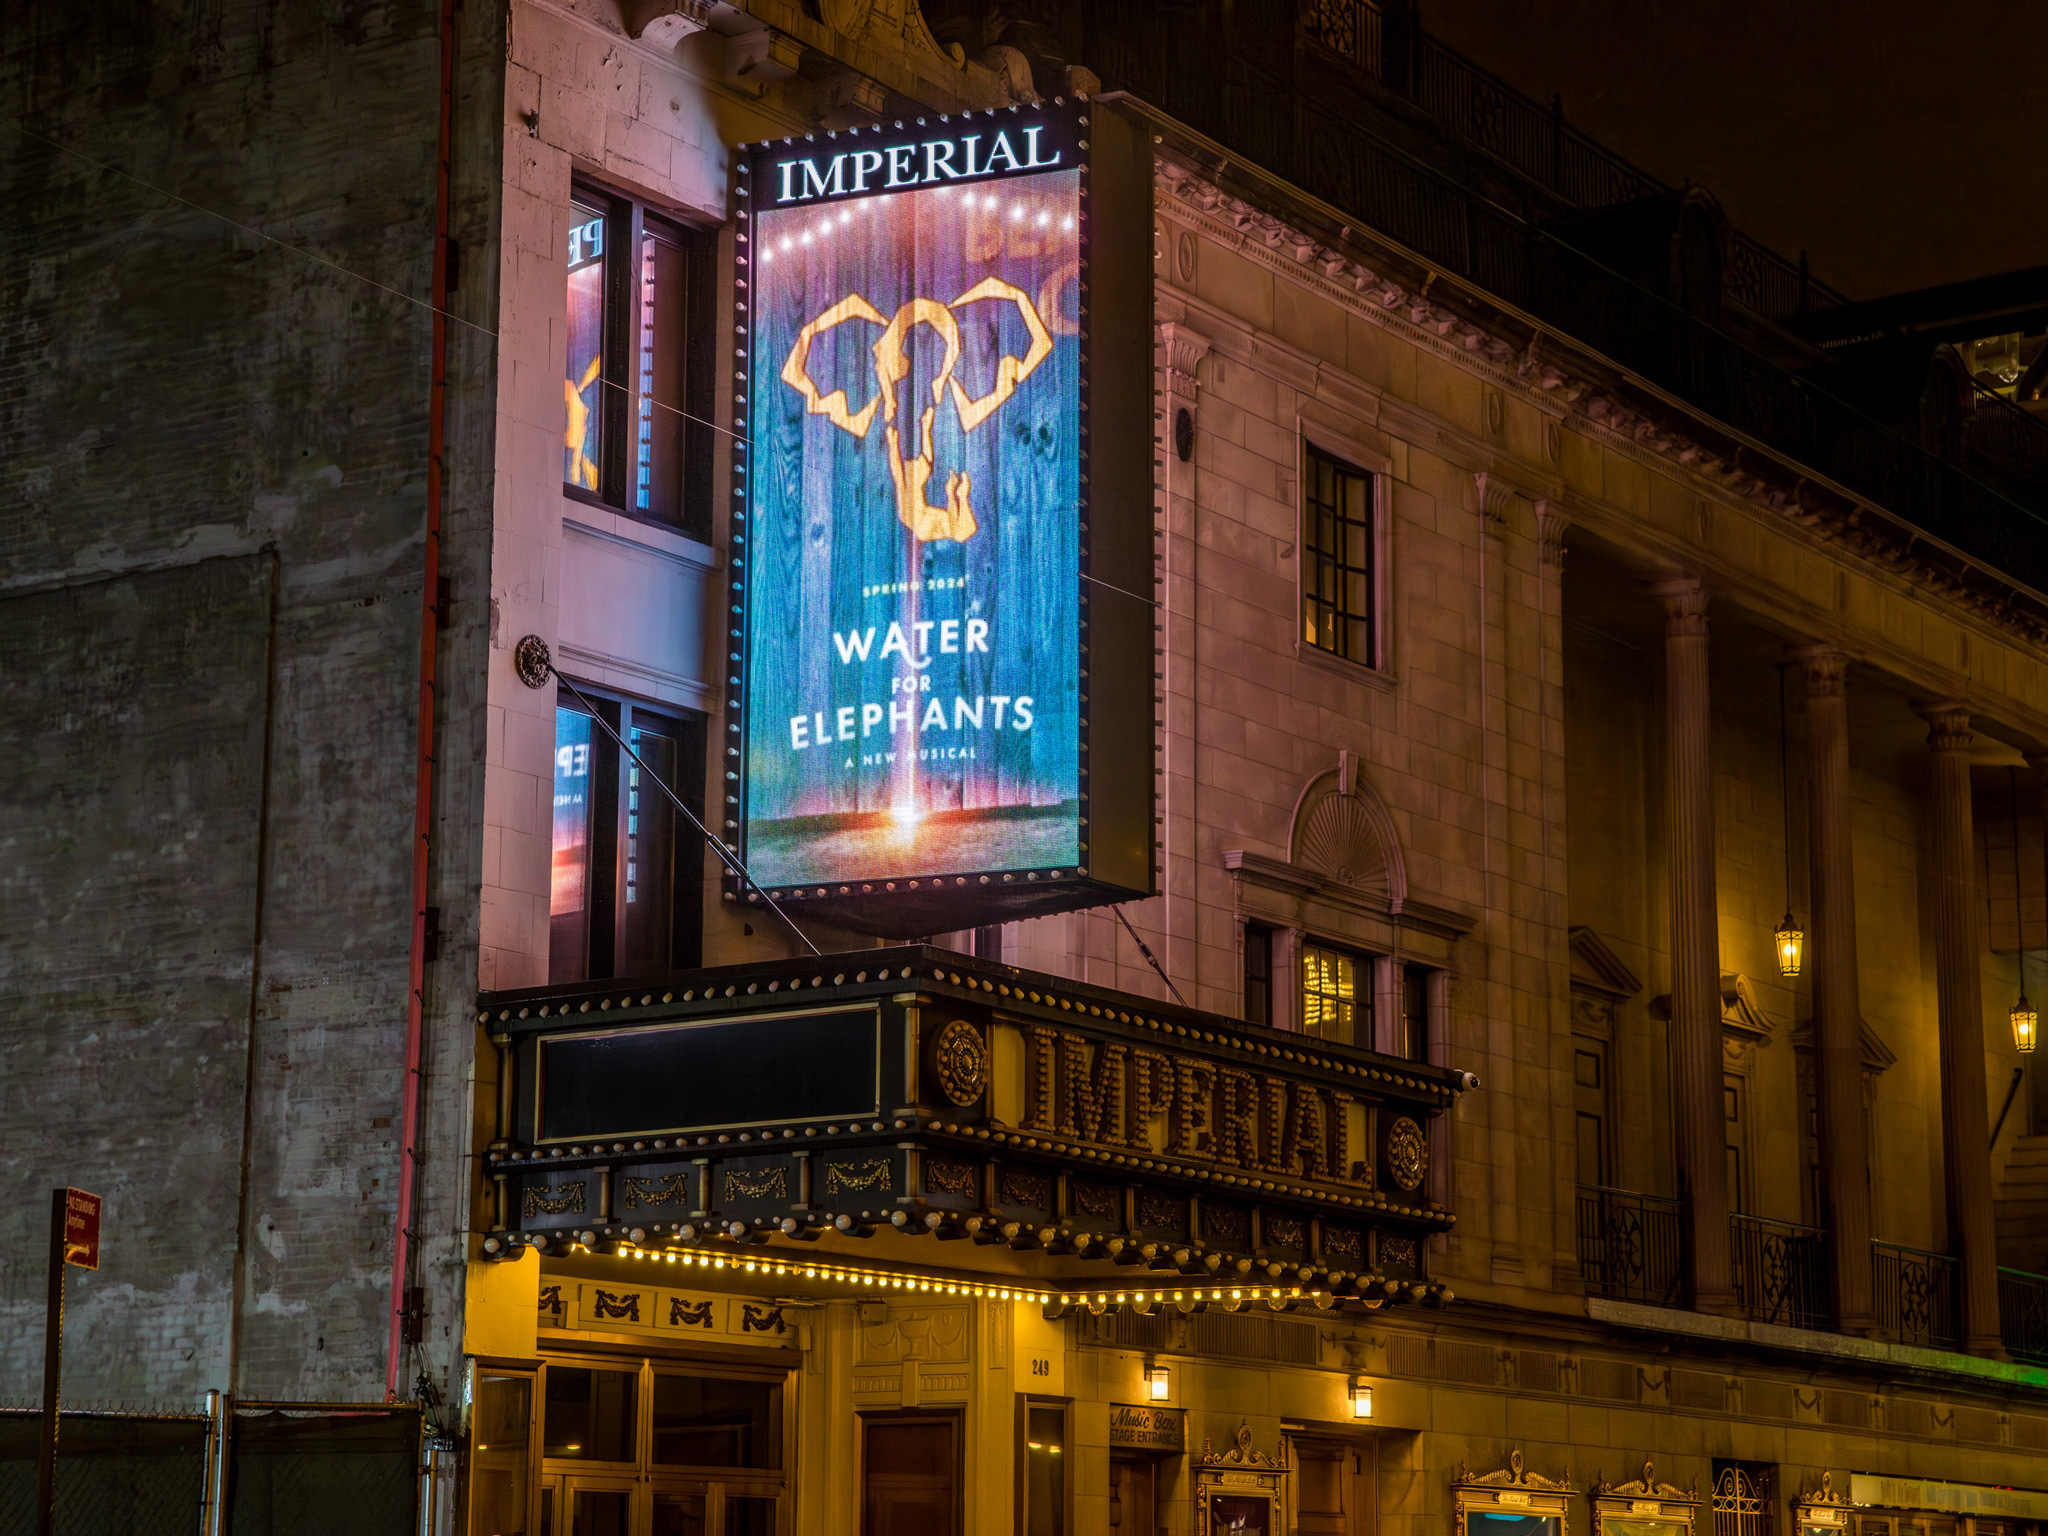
(1337, 576)
(1742, 1499)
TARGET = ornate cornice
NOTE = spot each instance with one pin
(1835, 517)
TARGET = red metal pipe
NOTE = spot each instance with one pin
(423, 809)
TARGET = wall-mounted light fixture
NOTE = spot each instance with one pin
(1158, 1382)
(1361, 1398)
(1789, 938)
(2025, 1021)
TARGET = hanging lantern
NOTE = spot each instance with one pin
(1791, 943)
(2025, 1022)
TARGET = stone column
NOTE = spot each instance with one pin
(1965, 1121)
(1837, 1001)
(1695, 946)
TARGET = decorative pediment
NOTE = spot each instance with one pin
(1513, 1475)
(1241, 1453)
(1877, 1056)
(1597, 968)
(1644, 1487)
(1344, 833)
(1741, 1014)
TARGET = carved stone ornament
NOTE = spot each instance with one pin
(1825, 1494)
(1514, 1475)
(1407, 1154)
(1241, 1453)
(960, 1057)
(1644, 1487)
(531, 661)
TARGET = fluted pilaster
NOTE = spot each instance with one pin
(1837, 997)
(1695, 945)
(1965, 1121)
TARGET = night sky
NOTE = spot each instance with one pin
(1901, 144)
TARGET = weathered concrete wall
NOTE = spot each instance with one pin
(136, 711)
(177, 388)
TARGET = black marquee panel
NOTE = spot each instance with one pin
(646, 1082)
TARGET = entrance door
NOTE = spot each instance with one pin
(1132, 1496)
(1333, 1487)
(598, 1506)
(711, 1509)
(661, 1447)
(910, 1474)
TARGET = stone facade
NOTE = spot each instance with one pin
(1550, 814)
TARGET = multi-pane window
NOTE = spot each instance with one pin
(1337, 576)
(637, 391)
(1258, 974)
(623, 894)
(1336, 993)
(1414, 1041)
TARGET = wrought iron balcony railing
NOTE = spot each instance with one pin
(1915, 1292)
(1631, 1246)
(1781, 1272)
(2023, 1315)
(1312, 134)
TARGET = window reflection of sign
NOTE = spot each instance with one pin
(586, 240)
(586, 348)
(572, 813)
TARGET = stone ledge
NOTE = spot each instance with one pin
(1837, 1346)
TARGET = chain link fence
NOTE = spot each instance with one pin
(351, 1472)
(117, 1474)
(291, 1471)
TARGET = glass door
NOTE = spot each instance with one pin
(656, 1447)
(598, 1506)
(714, 1509)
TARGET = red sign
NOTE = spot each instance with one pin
(81, 1229)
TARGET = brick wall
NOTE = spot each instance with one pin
(214, 455)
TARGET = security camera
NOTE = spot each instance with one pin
(1467, 1081)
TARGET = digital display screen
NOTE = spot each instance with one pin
(912, 693)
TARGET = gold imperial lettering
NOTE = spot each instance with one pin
(1109, 1093)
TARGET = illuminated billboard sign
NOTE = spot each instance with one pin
(930, 529)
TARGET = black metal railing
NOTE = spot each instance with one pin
(2023, 1315)
(1781, 1272)
(1248, 97)
(2003, 431)
(1488, 113)
(1485, 110)
(1915, 1292)
(1767, 284)
(1631, 1246)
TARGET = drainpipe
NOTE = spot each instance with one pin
(430, 624)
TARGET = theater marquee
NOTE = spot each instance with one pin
(941, 520)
